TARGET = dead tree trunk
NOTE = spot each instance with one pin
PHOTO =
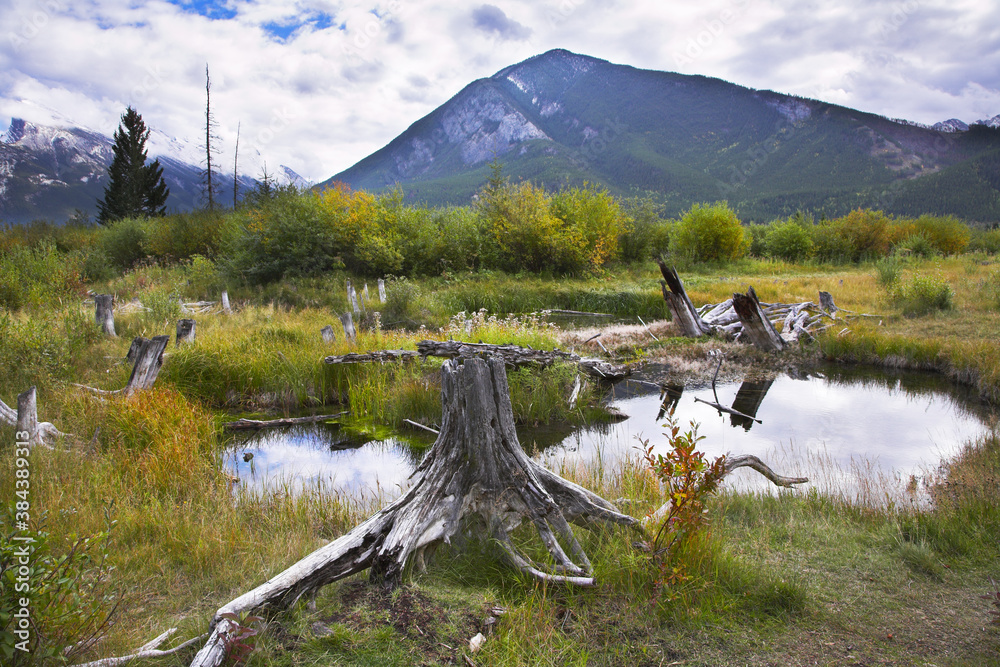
(475, 476)
(133, 350)
(225, 303)
(25, 420)
(329, 337)
(104, 313)
(748, 400)
(681, 308)
(185, 331)
(756, 326)
(827, 305)
(149, 359)
(381, 290)
(352, 296)
(348, 323)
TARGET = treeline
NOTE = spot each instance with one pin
(511, 227)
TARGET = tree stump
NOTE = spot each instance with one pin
(475, 477)
(352, 296)
(225, 303)
(827, 305)
(133, 350)
(756, 326)
(348, 323)
(329, 337)
(381, 290)
(681, 308)
(103, 313)
(148, 361)
(185, 331)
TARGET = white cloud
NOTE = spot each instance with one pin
(349, 76)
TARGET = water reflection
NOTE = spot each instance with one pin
(843, 428)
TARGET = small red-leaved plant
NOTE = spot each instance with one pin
(239, 642)
(688, 479)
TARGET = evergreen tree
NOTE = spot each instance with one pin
(134, 187)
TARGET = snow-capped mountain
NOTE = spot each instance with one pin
(51, 172)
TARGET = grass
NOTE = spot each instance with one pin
(795, 578)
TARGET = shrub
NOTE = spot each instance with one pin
(985, 240)
(184, 235)
(887, 270)
(924, 294)
(592, 222)
(864, 232)
(789, 241)
(70, 600)
(642, 238)
(916, 245)
(32, 277)
(123, 242)
(709, 233)
(945, 233)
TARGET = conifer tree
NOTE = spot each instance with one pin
(135, 189)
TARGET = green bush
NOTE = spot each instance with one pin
(709, 233)
(123, 242)
(924, 294)
(643, 237)
(945, 233)
(184, 235)
(887, 270)
(789, 241)
(916, 245)
(984, 240)
(33, 277)
(70, 600)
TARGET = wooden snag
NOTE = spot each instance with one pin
(681, 308)
(756, 326)
(185, 331)
(348, 322)
(381, 290)
(329, 337)
(133, 350)
(475, 476)
(225, 303)
(104, 314)
(827, 305)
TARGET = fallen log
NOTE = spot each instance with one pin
(244, 424)
(475, 476)
(377, 356)
(515, 355)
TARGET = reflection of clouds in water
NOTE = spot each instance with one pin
(845, 436)
(304, 460)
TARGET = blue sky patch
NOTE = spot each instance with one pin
(213, 9)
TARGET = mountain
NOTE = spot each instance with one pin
(562, 118)
(49, 172)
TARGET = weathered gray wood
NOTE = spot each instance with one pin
(348, 322)
(684, 314)
(27, 415)
(514, 355)
(225, 303)
(146, 651)
(8, 415)
(377, 356)
(104, 314)
(475, 475)
(256, 424)
(353, 298)
(381, 290)
(756, 326)
(364, 294)
(827, 304)
(558, 311)
(185, 331)
(133, 350)
(329, 337)
(149, 360)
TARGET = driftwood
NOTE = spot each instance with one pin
(380, 356)
(256, 424)
(104, 314)
(756, 326)
(148, 650)
(681, 308)
(475, 476)
(147, 367)
(329, 337)
(185, 331)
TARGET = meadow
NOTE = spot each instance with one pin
(140, 529)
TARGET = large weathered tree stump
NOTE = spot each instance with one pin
(475, 477)
(681, 308)
(348, 322)
(329, 337)
(25, 420)
(148, 361)
(756, 326)
(104, 313)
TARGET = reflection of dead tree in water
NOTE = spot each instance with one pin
(748, 401)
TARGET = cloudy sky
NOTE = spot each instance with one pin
(319, 84)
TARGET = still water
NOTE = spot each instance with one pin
(853, 432)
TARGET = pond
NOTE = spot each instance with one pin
(856, 432)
